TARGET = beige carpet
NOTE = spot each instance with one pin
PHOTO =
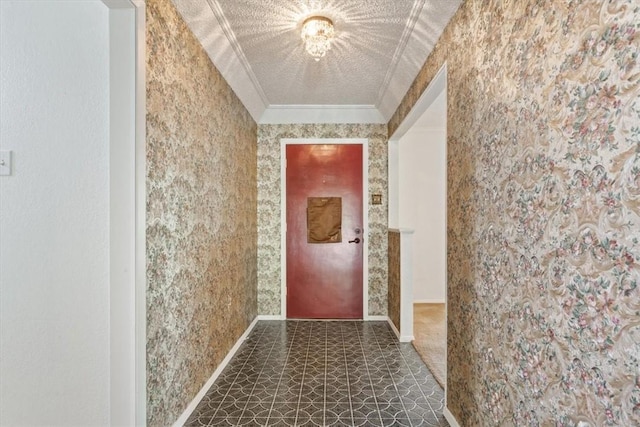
(429, 330)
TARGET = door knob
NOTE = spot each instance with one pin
(356, 240)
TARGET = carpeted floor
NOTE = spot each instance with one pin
(430, 332)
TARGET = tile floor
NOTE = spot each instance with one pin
(315, 373)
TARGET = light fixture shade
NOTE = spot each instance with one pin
(317, 33)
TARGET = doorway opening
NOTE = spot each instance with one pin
(417, 196)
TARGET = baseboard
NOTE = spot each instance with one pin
(196, 400)
(401, 338)
(376, 318)
(270, 317)
(450, 418)
(429, 301)
(393, 327)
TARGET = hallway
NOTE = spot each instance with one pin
(317, 373)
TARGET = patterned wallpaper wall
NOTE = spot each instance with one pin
(201, 216)
(269, 260)
(393, 293)
(543, 211)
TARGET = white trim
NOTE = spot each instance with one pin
(298, 114)
(270, 317)
(401, 338)
(283, 228)
(398, 57)
(118, 4)
(203, 391)
(452, 421)
(141, 216)
(128, 398)
(224, 54)
(233, 41)
(325, 320)
(420, 45)
(211, 27)
(365, 231)
(365, 215)
(377, 318)
(122, 206)
(406, 284)
(435, 88)
(429, 301)
(402, 230)
(450, 418)
(424, 130)
(393, 327)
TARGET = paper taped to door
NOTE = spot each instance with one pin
(324, 219)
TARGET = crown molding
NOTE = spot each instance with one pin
(225, 53)
(422, 38)
(291, 114)
(222, 48)
(386, 92)
(436, 87)
(209, 24)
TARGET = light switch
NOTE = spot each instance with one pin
(5, 163)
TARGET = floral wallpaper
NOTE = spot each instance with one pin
(269, 274)
(201, 216)
(393, 294)
(543, 211)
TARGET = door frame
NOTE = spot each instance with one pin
(437, 86)
(364, 142)
(127, 238)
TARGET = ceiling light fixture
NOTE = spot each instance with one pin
(317, 33)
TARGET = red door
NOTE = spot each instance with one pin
(324, 280)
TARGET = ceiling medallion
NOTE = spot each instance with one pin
(317, 33)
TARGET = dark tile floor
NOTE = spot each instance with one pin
(315, 373)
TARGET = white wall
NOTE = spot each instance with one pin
(54, 213)
(422, 207)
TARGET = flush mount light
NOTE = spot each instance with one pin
(317, 33)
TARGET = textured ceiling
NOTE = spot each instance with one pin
(379, 48)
